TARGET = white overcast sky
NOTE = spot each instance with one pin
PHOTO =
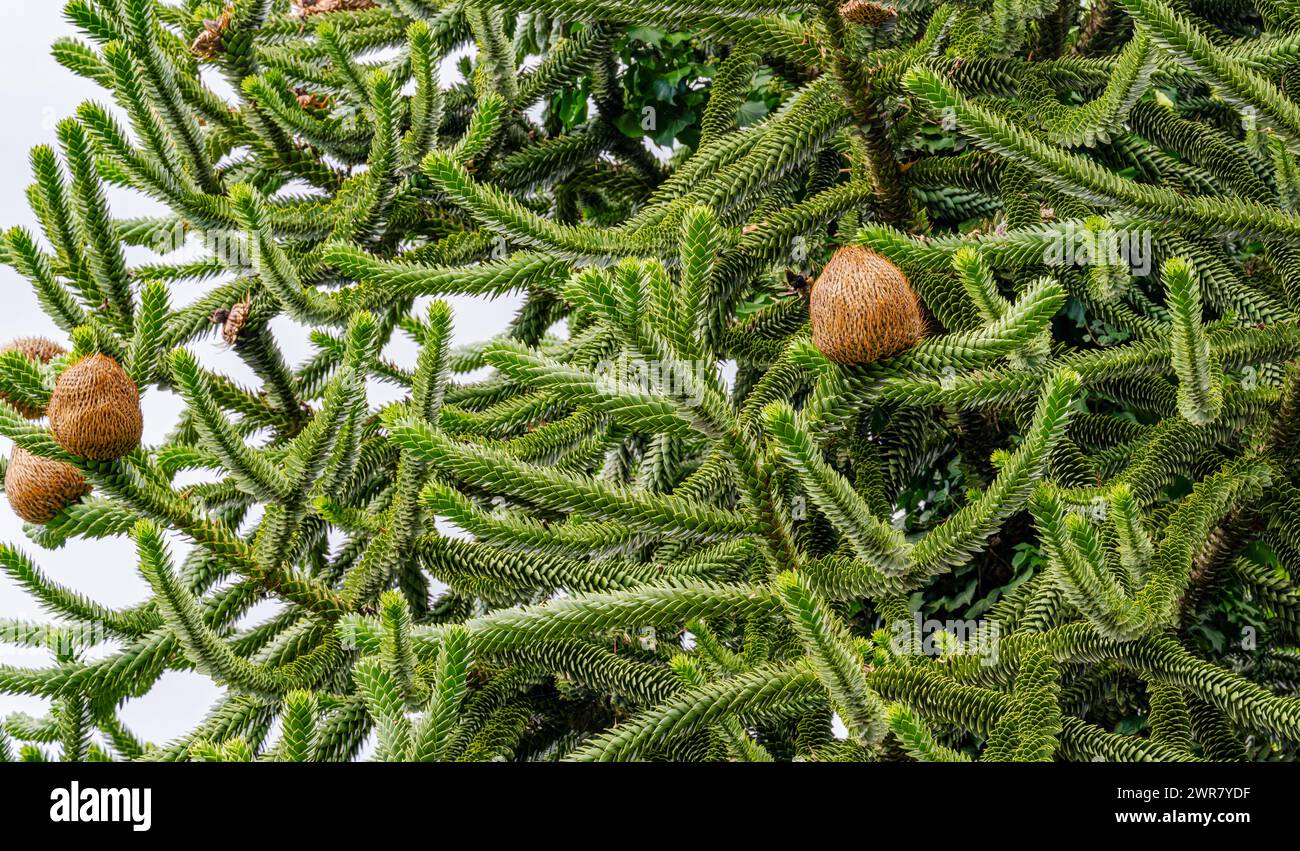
(35, 93)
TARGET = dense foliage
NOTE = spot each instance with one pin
(653, 520)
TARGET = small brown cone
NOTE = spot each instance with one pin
(868, 14)
(38, 349)
(319, 7)
(39, 488)
(95, 409)
(236, 319)
(863, 308)
(208, 43)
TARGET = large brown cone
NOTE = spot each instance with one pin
(39, 488)
(863, 308)
(38, 349)
(95, 409)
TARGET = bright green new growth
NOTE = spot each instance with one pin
(649, 520)
(1200, 379)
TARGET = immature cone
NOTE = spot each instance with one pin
(39, 488)
(39, 349)
(95, 409)
(863, 309)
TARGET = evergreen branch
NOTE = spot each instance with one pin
(1200, 378)
(839, 667)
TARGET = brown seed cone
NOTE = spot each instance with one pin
(38, 349)
(236, 319)
(95, 409)
(318, 7)
(208, 43)
(863, 309)
(868, 14)
(39, 488)
(42, 349)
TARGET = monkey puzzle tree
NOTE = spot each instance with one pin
(680, 509)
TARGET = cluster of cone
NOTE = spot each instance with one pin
(863, 309)
(94, 413)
